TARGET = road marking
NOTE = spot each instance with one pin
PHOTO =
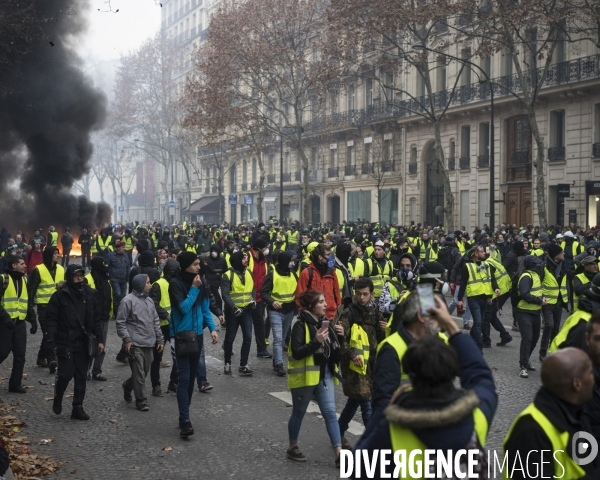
(212, 361)
(354, 428)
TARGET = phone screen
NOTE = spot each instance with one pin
(426, 299)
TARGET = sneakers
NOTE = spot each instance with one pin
(227, 369)
(245, 371)
(78, 413)
(157, 391)
(57, 405)
(126, 393)
(52, 366)
(186, 429)
(165, 364)
(172, 387)
(524, 373)
(296, 455)
(467, 326)
(205, 387)
(279, 370)
(346, 444)
(18, 389)
(264, 354)
(99, 377)
(42, 363)
(542, 356)
(142, 407)
(531, 368)
(504, 342)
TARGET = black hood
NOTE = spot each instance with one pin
(146, 259)
(99, 265)
(236, 261)
(47, 256)
(71, 269)
(171, 268)
(519, 248)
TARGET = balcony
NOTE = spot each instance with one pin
(271, 178)
(298, 176)
(350, 170)
(388, 166)
(287, 177)
(244, 187)
(254, 186)
(367, 168)
(483, 161)
(452, 163)
(557, 154)
(332, 172)
(596, 150)
(520, 157)
(464, 163)
(412, 168)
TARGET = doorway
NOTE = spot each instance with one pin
(434, 181)
(519, 202)
(315, 204)
(334, 209)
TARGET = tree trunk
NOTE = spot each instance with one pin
(448, 195)
(115, 210)
(306, 217)
(540, 184)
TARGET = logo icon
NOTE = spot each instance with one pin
(584, 449)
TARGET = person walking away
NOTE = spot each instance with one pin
(513, 263)
(529, 309)
(213, 267)
(554, 420)
(278, 293)
(491, 319)
(14, 309)
(237, 288)
(85, 241)
(362, 332)
(72, 319)
(98, 280)
(572, 248)
(258, 267)
(139, 327)
(147, 265)
(190, 310)
(52, 237)
(118, 271)
(43, 282)
(67, 244)
(313, 355)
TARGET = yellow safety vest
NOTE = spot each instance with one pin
(241, 294)
(479, 281)
(563, 463)
(360, 341)
(53, 239)
(495, 255)
(293, 237)
(92, 284)
(370, 249)
(570, 322)
(227, 255)
(405, 439)
(191, 248)
(15, 306)
(251, 264)
(47, 284)
(104, 244)
(461, 247)
(165, 300)
(380, 276)
(304, 372)
(502, 277)
(93, 248)
(536, 291)
(584, 280)
(341, 280)
(433, 253)
(284, 287)
(128, 244)
(395, 295)
(538, 252)
(575, 250)
(551, 290)
(358, 270)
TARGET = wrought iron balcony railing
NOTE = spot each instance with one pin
(332, 172)
(412, 168)
(556, 154)
(483, 161)
(452, 163)
(387, 166)
(464, 163)
(350, 170)
(367, 168)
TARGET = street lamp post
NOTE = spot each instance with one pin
(281, 180)
(492, 156)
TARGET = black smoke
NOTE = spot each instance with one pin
(48, 108)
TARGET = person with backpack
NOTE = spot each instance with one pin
(448, 255)
(514, 265)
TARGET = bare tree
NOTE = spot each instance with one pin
(83, 184)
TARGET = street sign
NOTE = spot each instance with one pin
(121, 209)
(564, 190)
(248, 199)
(172, 204)
(232, 199)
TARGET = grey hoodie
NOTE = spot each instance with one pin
(137, 321)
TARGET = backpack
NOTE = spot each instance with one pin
(516, 276)
(446, 258)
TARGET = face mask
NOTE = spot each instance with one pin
(291, 265)
(235, 250)
(265, 252)
(214, 254)
(304, 243)
(262, 229)
(406, 275)
(445, 289)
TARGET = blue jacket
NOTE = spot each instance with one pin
(118, 267)
(190, 306)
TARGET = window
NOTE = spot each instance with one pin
(452, 149)
(334, 102)
(597, 123)
(389, 205)
(244, 171)
(484, 138)
(286, 162)
(420, 84)
(484, 206)
(388, 81)
(368, 153)
(387, 153)
(465, 141)
(486, 65)
(412, 210)
(465, 75)
(314, 152)
(254, 170)
(508, 63)
(332, 157)
(350, 156)
(271, 165)
(351, 97)
(359, 205)
(441, 74)
(464, 208)
(561, 50)
(557, 128)
(532, 37)
(369, 92)
(413, 155)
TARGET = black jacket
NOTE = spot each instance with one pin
(103, 298)
(213, 269)
(149, 270)
(525, 284)
(85, 240)
(64, 322)
(511, 263)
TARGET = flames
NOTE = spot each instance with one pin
(76, 250)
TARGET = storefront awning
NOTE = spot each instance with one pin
(204, 205)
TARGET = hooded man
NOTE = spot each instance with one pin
(258, 267)
(213, 267)
(67, 244)
(72, 319)
(85, 240)
(584, 274)
(260, 232)
(513, 263)
(43, 282)
(98, 280)
(118, 269)
(147, 265)
(204, 242)
(572, 248)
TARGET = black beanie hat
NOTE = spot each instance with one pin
(259, 243)
(185, 259)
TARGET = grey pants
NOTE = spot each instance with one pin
(96, 363)
(140, 359)
(551, 325)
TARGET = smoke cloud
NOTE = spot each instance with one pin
(48, 108)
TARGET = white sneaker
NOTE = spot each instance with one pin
(524, 373)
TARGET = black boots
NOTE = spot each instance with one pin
(79, 413)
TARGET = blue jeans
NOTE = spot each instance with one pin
(201, 375)
(325, 396)
(187, 368)
(280, 325)
(349, 411)
(479, 308)
(119, 292)
(454, 302)
(233, 323)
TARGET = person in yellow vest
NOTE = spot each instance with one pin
(278, 292)
(313, 355)
(583, 276)
(130, 242)
(537, 249)
(43, 282)
(571, 247)
(14, 309)
(378, 268)
(434, 413)
(360, 318)
(103, 244)
(592, 337)
(98, 280)
(395, 289)
(491, 319)
(292, 238)
(52, 237)
(531, 299)
(239, 296)
(428, 248)
(545, 434)
(191, 246)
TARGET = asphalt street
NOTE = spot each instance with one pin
(240, 426)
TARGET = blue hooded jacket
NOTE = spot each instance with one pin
(190, 306)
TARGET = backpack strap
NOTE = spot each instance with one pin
(310, 277)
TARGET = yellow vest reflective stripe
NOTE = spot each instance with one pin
(103, 244)
(284, 287)
(92, 284)
(304, 372)
(165, 300)
(293, 237)
(480, 281)
(538, 252)
(191, 248)
(128, 243)
(378, 275)
(405, 439)
(551, 290)
(93, 248)
(47, 284)
(583, 280)
(358, 270)
(570, 322)
(341, 280)
(398, 297)
(241, 295)
(536, 291)
(560, 440)
(15, 306)
(502, 277)
(359, 340)
(53, 239)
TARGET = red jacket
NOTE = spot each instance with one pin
(328, 284)
(32, 260)
(258, 275)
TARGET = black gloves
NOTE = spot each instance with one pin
(34, 328)
(9, 324)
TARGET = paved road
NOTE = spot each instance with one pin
(241, 427)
